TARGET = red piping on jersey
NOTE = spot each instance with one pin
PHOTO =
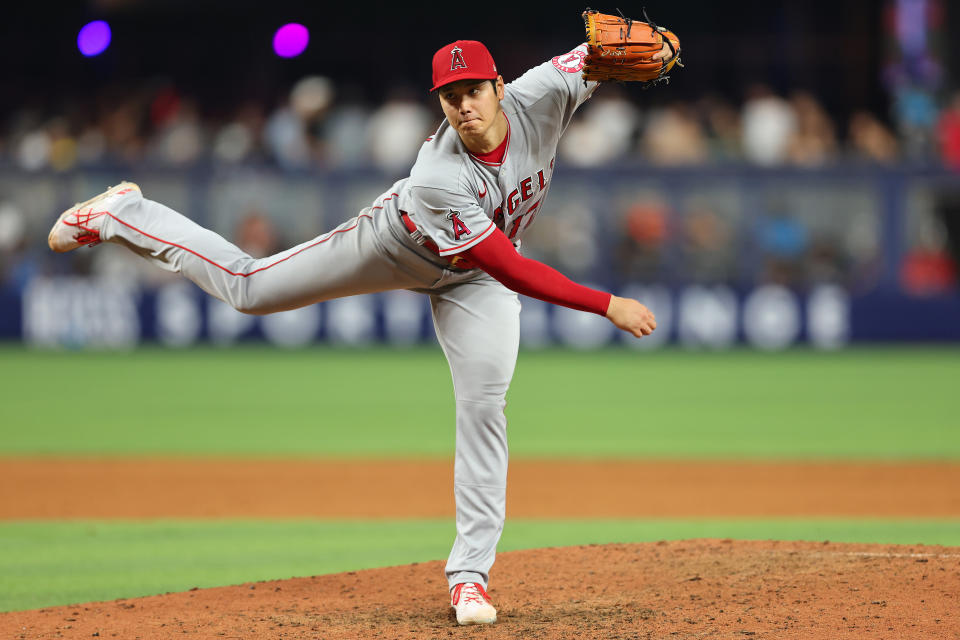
(384, 200)
(221, 267)
(459, 246)
(488, 158)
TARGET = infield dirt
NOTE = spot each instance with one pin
(675, 590)
(200, 488)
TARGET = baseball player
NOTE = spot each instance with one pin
(452, 230)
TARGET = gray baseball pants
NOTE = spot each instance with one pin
(476, 320)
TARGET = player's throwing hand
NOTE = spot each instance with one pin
(631, 316)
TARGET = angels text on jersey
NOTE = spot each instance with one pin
(509, 217)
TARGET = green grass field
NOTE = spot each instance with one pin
(71, 562)
(865, 404)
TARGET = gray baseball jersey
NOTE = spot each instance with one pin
(456, 200)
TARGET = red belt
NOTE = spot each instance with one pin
(457, 261)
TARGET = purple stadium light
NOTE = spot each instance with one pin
(94, 38)
(290, 40)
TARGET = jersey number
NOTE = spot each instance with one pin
(529, 215)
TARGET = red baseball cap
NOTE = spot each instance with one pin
(462, 60)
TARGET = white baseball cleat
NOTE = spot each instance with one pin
(472, 604)
(80, 224)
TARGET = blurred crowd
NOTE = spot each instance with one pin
(317, 126)
(790, 236)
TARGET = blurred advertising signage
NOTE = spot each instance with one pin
(78, 312)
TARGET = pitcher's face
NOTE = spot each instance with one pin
(471, 106)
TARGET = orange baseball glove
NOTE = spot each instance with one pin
(622, 49)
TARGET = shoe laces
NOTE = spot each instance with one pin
(81, 220)
(470, 593)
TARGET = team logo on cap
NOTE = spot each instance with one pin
(456, 59)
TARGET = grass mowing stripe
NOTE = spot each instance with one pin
(891, 403)
(51, 563)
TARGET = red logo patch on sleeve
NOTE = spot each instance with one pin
(570, 62)
(459, 228)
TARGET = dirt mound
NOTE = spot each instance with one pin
(686, 589)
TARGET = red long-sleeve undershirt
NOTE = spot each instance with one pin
(497, 256)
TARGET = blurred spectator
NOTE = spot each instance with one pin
(929, 268)
(604, 131)
(63, 146)
(285, 136)
(870, 139)
(567, 238)
(723, 128)
(782, 240)
(257, 235)
(825, 261)
(673, 136)
(396, 131)
(18, 263)
(179, 140)
(238, 140)
(948, 130)
(814, 140)
(708, 246)
(769, 124)
(345, 129)
(33, 152)
(310, 98)
(916, 116)
(860, 243)
(12, 228)
(121, 124)
(927, 271)
(642, 240)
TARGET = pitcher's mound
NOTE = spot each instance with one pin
(686, 589)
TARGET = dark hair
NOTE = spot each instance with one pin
(492, 81)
